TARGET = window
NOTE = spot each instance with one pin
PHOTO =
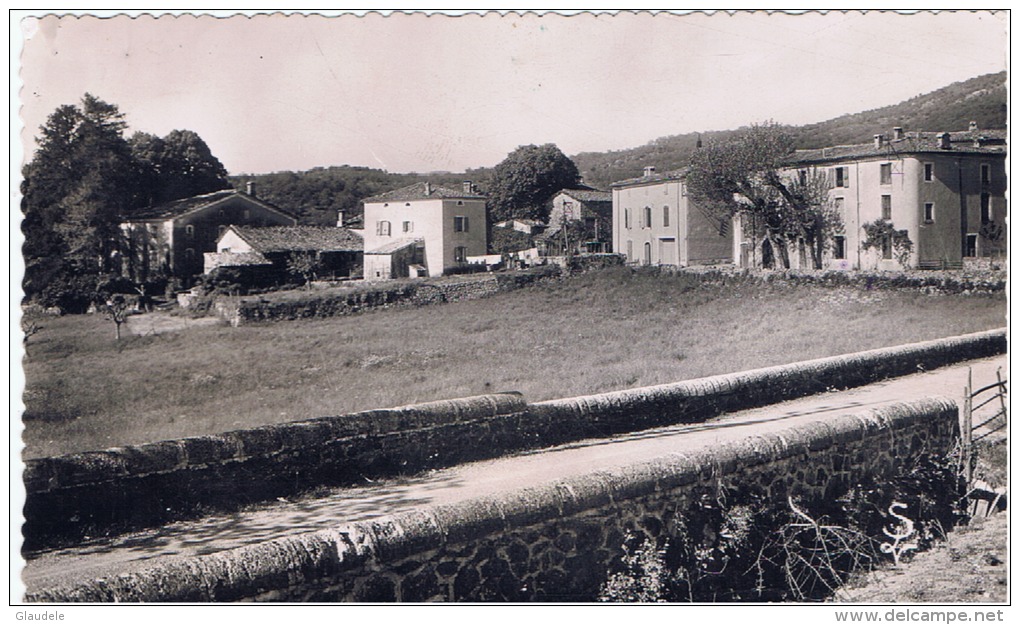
(190, 231)
(929, 172)
(189, 254)
(247, 213)
(842, 176)
(460, 254)
(839, 247)
(220, 230)
(382, 228)
(885, 173)
(648, 253)
(971, 246)
(802, 177)
(460, 223)
(839, 201)
(648, 217)
(665, 216)
(887, 248)
(886, 207)
(929, 212)
(986, 174)
(986, 208)
(626, 221)
(630, 250)
(568, 210)
(408, 226)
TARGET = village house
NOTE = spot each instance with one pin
(654, 223)
(527, 226)
(423, 230)
(946, 190)
(169, 240)
(268, 253)
(580, 220)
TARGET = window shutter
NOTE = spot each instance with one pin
(846, 177)
(465, 224)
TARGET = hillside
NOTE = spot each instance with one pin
(981, 99)
(316, 195)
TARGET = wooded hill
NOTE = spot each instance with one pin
(316, 195)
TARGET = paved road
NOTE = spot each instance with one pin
(217, 533)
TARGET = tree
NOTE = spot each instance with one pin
(304, 264)
(176, 166)
(744, 175)
(73, 190)
(524, 182)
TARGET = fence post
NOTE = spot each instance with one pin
(967, 429)
(1002, 395)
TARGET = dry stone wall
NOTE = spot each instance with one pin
(101, 492)
(552, 543)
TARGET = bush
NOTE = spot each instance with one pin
(740, 545)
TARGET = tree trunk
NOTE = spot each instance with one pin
(779, 248)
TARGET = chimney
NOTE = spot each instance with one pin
(897, 133)
(428, 188)
(649, 170)
(878, 142)
(339, 219)
(468, 187)
(943, 138)
(973, 127)
(251, 188)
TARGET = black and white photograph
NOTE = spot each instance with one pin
(500, 307)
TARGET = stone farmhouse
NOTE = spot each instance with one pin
(946, 190)
(654, 223)
(170, 239)
(423, 230)
(266, 252)
(587, 216)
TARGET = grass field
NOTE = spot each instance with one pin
(595, 332)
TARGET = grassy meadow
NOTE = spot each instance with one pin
(595, 332)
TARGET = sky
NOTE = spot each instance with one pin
(422, 93)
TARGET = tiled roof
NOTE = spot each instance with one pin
(300, 239)
(393, 246)
(189, 204)
(423, 191)
(588, 195)
(960, 142)
(239, 259)
(676, 174)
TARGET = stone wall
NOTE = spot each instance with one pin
(552, 543)
(96, 493)
(353, 299)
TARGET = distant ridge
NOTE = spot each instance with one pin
(981, 99)
(317, 195)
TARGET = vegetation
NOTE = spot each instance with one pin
(735, 543)
(882, 235)
(524, 182)
(596, 332)
(981, 99)
(86, 178)
(743, 176)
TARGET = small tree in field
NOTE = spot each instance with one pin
(117, 311)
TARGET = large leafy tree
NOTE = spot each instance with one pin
(745, 175)
(176, 166)
(524, 182)
(80, 180)
(83, 180)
